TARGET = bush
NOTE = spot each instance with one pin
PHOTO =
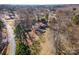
(75, 19)
(1, 24)
(22, 49)
(35, 48)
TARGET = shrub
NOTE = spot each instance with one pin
(22, 49)
(35, 48)
(1, 24)
(75, 19)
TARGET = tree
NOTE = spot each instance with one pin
(20, 32)
(47, 16)
(74, 9)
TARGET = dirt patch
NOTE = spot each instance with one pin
(48, 46)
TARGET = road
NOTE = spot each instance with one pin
(11, 39)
